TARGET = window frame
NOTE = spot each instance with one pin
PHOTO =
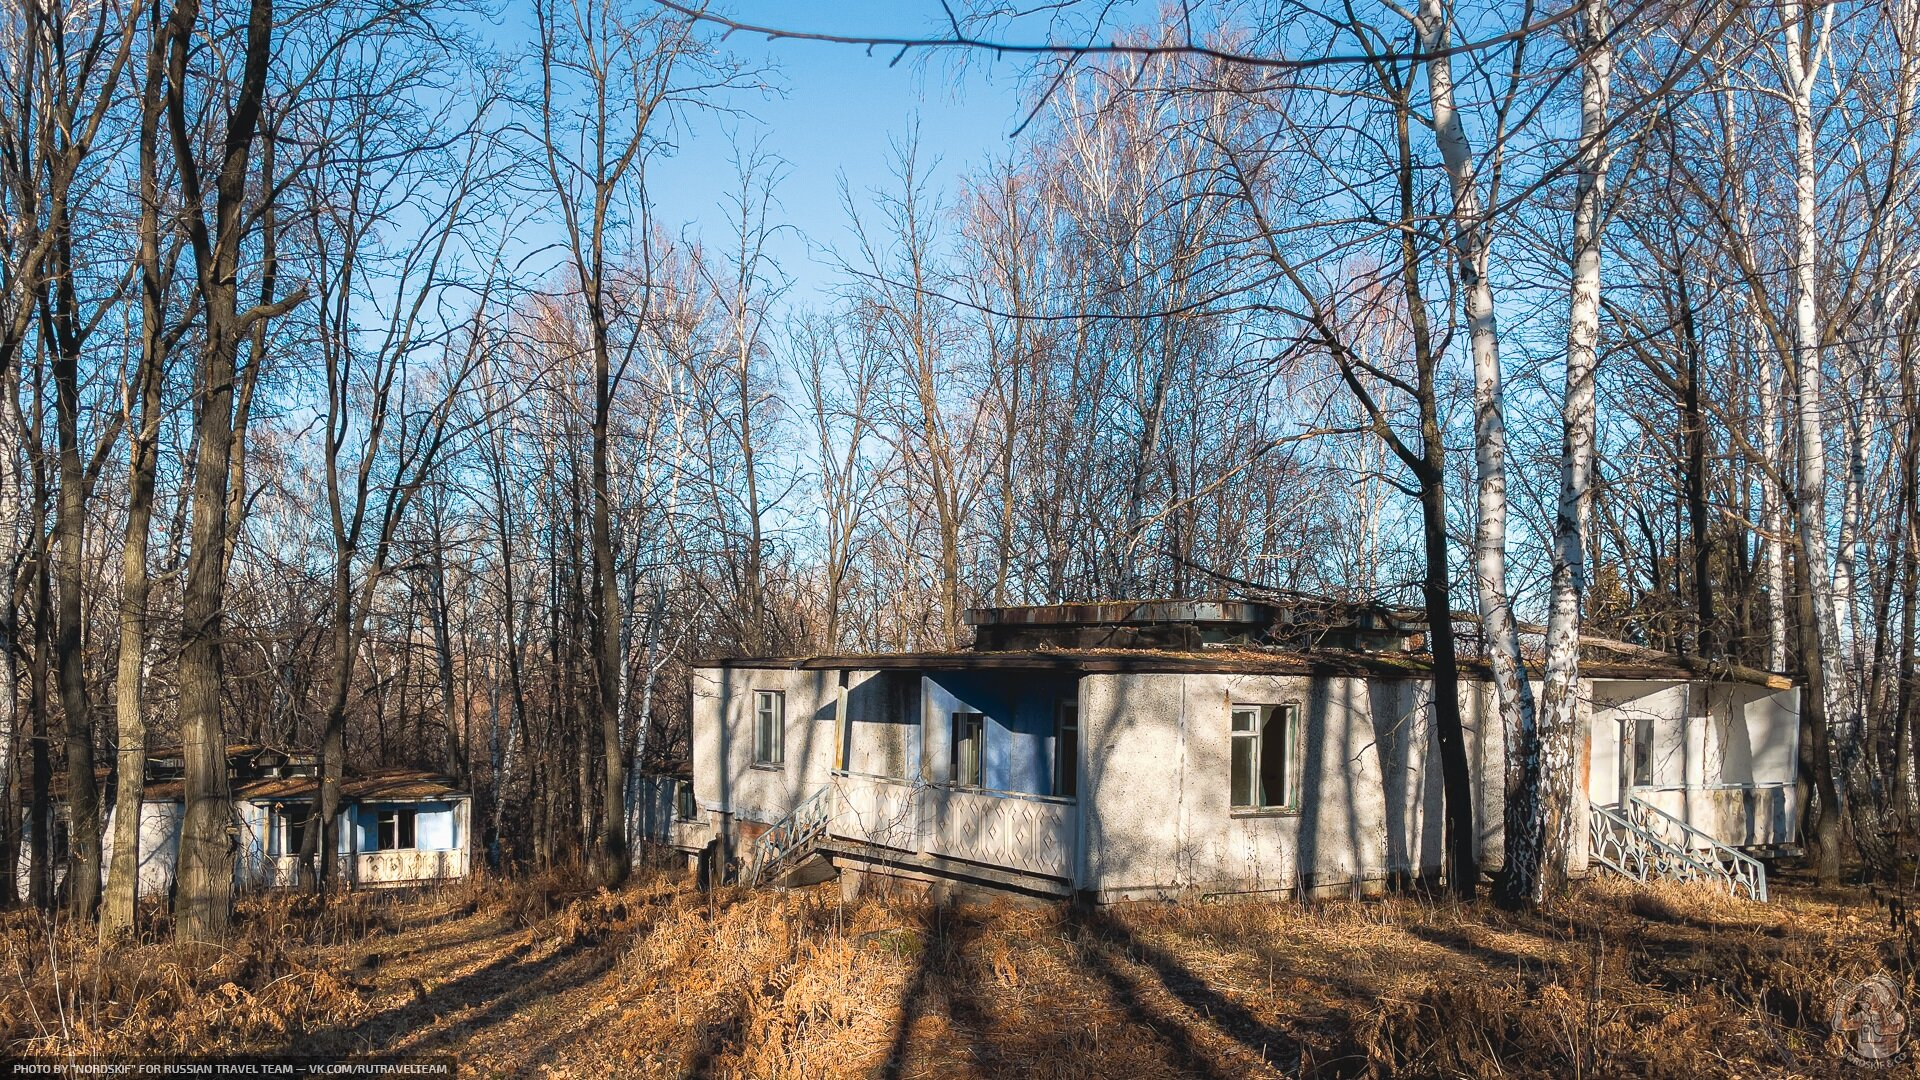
(1066, 763)
(770, 740)
(1292, 737)
(280, 827)
(406, 826)
(976, 723)
(685, 808)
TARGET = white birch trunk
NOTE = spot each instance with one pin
(1805, 51)
(1560, 705)
(1512, 693)
(1846, 560)
(1772, 515)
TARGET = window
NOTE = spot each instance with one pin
(287, 833)
(1066, 749)
(684, 807)
(769, 727)
(1266, 741)
(396, 829)
(1642, 774)
(968, 739)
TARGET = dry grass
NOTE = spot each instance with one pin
(542, 978)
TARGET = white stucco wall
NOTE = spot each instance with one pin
(1724, 754)
(1154, 815)
(159, 849)
(725, 778)
(1157, 809)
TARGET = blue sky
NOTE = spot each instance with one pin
(833, 112)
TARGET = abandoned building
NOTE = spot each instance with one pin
(1162, 749)
(397, 826)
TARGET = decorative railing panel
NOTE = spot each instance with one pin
(1013, 830)
(407, 866)
(1644, 843)
(878, 810)
(1020, 832)
(1737, 815)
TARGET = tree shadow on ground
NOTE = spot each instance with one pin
(1110, 950)
(500, 990)
(944, 974)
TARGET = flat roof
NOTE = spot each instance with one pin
(1237, 660)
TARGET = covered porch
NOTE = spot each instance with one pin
(1719, 757)
(982, 768)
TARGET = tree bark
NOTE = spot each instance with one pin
(1826, 674)
(117, 914)
(1562, 720)
(208, 841)
(1513, 694)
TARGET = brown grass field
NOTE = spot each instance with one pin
(540, 978)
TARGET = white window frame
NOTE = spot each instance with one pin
(1256, 735)
(397, 814)
(769, 729)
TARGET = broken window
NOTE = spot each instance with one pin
(288, 832)
(683, 805)
(1265, 745)
(769, 727)
(395, 829)
(968, 740)
(1066, 749)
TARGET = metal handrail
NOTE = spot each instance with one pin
(1627, 844)
(1741, 867)
(803, 825)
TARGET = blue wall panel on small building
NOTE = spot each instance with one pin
(1018, 728)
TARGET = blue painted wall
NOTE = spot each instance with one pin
(1018, 727)
(434, 827)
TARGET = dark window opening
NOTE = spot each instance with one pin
(968, 744)
(1066, 750)
(396, 830)
(1263, 763)
(683, 805)
(1642, 775)
(288, 835)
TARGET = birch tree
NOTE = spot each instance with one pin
(1551, 828)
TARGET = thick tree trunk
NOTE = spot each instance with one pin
(10, 504)
(612, 855)
(1826, 674)
(63, 336)
(443, 660)
(40, 737)
(1819, 795)
(1699, 515)
(208, 839)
